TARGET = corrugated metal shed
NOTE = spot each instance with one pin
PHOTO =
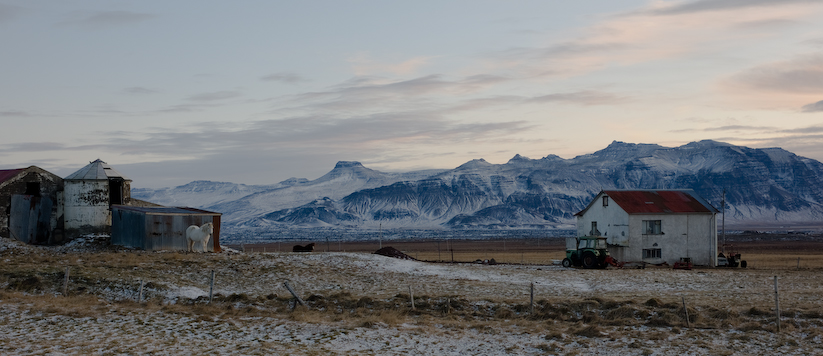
(96, 170)
(31, 221)
(160, 228)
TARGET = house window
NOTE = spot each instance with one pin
(652, 253)
(605, 201)
(652, 227)
(594, 231)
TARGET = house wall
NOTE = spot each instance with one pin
(86, 207)
(612, 222)
(682, 235)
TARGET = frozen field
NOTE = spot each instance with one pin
(359, 303)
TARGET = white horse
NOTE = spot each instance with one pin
(199, 234)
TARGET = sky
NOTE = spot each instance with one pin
(256, 92)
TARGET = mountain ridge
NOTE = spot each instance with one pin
(762, 185)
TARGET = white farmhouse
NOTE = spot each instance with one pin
(653, 226)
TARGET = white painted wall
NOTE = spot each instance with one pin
(612, 222)
(86, 205)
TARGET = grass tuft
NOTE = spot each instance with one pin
(589, 331)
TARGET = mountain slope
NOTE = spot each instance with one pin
(240, 203)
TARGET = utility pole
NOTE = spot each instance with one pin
(723, 216)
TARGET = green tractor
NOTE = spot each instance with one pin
(588, 252)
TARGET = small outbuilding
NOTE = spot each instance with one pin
(160, 228)
(89, 195)
(653, 226)
(31, 205)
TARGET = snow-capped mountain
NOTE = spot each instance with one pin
(762, 186)
(200, 193)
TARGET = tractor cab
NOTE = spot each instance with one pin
(587, 251)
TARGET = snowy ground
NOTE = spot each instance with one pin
(359, 304)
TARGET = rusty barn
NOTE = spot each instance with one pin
(31, 206)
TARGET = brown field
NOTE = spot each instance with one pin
(778, 251)
(528, 251)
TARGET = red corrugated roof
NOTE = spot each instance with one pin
(657, 201)
(6, 174)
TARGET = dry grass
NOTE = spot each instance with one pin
(33, 280)
(591, 318)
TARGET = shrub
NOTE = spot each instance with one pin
(653, 302)
(589, 331)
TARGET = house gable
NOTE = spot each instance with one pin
(602, 217)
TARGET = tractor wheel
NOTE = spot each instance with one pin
(743, 264)
(567, 262)
(590, 260)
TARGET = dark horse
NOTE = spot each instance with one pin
(307, 248)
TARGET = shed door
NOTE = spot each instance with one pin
(30, 219)
(115, 192)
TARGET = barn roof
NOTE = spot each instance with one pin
(96, 170)
(657, 201)
(7, 174)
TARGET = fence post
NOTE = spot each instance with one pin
(211, 287)
(685, 310)
(140, 293)
(777, 303)
(297, 297)
(531, 299)
(66, 283)
(411, 296)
